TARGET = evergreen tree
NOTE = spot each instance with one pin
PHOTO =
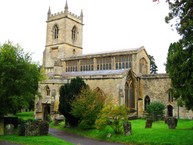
(153, 66)
(180, 54)
(68, 93)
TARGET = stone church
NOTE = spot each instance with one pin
(124, 75)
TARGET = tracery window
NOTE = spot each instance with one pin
(55, 32)
(74, 33)
(123, 62)
(71, 66)
(104, 63)
(86, 65)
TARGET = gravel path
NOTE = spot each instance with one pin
(77, 139)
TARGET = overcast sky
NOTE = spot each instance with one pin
(108, 25)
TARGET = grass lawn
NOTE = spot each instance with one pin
(25, 115)
(34, 140)
(159, 134)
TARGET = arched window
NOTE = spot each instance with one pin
(129, 94)
(47, 91)
(74, 33)
(146, 102)
(55, 32)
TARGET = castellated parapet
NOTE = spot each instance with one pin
(63, 14)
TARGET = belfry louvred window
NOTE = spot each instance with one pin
(74, 33)
(55, 32)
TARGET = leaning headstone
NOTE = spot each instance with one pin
(127, 128)
(172, 122)
(1, 125)
(149, 122)
(109, 135)
(9, 129)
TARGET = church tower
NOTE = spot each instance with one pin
(63, 38)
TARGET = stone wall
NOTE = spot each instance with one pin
(157, 88)
(112, 87)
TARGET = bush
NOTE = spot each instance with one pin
(87, 106)
(43, 127)
(155, 110)
(33, 128)
(114, 116)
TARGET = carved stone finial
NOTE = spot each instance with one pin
(49, 11)
(66, 6)
(81, 15)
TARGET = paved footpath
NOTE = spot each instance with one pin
(77, 139)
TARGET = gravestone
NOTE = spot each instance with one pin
(127, 128)
(172, 122)
(9, 129)
(149, 122)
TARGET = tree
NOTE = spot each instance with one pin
(18, 79)
(68, 93)
(153, 66)
(180, 54)
(87, 107)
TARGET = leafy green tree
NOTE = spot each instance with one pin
(180, 54)
(153, 66)
(87, 107)
(68, 93)
(112, 116)
(18, 79)
(156, 110)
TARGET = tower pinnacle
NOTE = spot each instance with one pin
(49, 11)
(66, 6)
(81, 15)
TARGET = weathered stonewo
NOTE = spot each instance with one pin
(127, 128)
(109, 71)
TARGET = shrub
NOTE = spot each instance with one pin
(156, 110)
(87, 106)
(114, 116)
(33, 128)
(43, 127)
